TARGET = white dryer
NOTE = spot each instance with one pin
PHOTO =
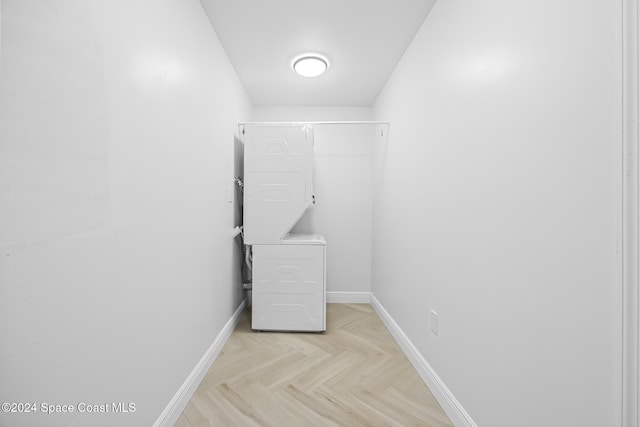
(288, 271)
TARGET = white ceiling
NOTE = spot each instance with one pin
(363, 39)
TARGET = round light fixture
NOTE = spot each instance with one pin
(310, 65)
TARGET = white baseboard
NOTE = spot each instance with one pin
(349, 297)
(180, 400)
(454, 410)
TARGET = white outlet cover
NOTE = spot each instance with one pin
(434, 322)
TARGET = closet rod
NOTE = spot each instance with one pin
(362, 122)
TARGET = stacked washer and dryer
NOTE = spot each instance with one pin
(288, 270)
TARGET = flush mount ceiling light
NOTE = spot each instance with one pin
(310, 65)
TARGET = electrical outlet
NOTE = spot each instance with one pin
(434, 322)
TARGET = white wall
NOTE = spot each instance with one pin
(502, 166)
(310, 114)
(117, 124)
(343, 187)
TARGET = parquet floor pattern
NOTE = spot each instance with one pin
(352, 375)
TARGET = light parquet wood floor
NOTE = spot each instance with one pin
(352, 375)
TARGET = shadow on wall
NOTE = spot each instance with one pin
(241, 274)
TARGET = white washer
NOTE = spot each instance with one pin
(288, 270)
(289, 284)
